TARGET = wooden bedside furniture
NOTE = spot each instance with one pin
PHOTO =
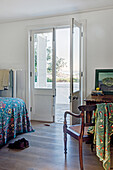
(91, 100)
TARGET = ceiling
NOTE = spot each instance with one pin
(26, 9)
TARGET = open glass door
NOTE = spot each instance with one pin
(75, 67)
(43, 75)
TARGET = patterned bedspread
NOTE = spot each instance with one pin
(13, 119)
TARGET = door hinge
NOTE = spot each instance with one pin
(30, 74)
(53, 118)
(30, 109)
(55, 92)
(70, 98)
(82, 34)
(30, 38)
(81, 74)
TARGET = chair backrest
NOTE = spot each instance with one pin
(89, 110)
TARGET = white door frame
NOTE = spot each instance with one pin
(28, 44)
(73, 22)
(82, 66)
(43, 111)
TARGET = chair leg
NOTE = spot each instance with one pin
(65, 142)
(92, 146)
(65, 134)
(80, 154)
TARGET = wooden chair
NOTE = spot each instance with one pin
(79, 131)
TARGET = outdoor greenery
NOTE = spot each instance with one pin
(49, 79)
(75, 80)
(49, 60)
(60, 63)
(35, 64)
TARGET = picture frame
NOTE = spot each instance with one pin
(104, 80)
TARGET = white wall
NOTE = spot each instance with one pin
(13, 41)
(99, 43)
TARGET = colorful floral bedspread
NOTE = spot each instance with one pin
(14, 119)
(103, 131)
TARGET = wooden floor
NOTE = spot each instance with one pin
(46, 152)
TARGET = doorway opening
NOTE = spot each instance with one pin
(62, 74)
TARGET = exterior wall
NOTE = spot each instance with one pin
(14, 39)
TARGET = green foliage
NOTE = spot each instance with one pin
(75, 80)
(63, 80)
(35, 64)
(60, 63)
(49, 53)
(35, 78)
(49, 60)
(49, 79)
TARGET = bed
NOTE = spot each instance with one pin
(14, 119)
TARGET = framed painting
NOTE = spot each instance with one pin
(104, 80)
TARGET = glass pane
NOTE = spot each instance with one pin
(76, 57)
(43, 60)
(62, 74)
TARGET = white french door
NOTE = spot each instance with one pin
(42, 78)
(43, 72)
(75, 67)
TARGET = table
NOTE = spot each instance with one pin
(90, 100)
(98, 99)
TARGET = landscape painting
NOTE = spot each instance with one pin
(104, 80)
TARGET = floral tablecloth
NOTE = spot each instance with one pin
(103, 130)
(13, 119)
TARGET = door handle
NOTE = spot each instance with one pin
(75, 97)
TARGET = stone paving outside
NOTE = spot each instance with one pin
(62, 101)
(59, 115)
